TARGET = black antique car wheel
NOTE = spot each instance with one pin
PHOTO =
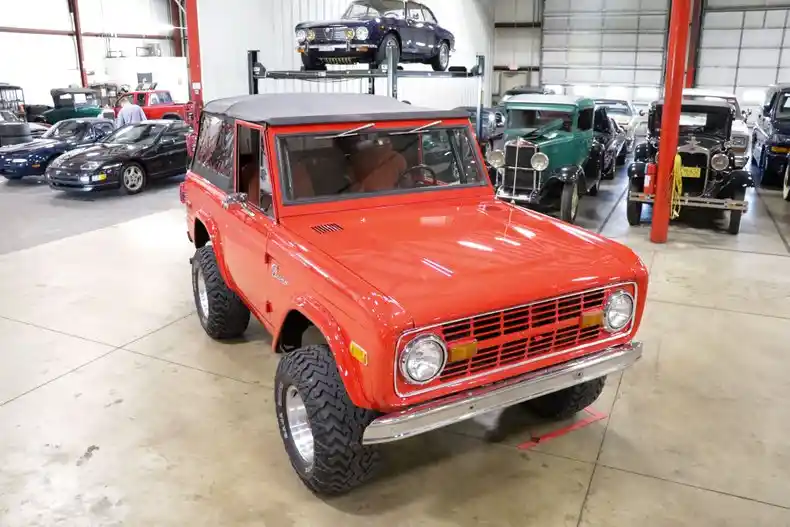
(633, 209)
(735, 215)
(569, 201)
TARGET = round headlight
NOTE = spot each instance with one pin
(310, 35)
(301, 35)
(349, 34)
(540, 161)
(362, 33)
(720, 162)
(618, 311)
(423, 359)
(496, 158)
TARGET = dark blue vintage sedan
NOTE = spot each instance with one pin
(32, 158)
(368, 28)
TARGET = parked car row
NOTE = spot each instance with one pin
(87, 154)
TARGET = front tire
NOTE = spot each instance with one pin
(569, 201)
(568, 402)
(133, 178)
(633, 209)
(389, 41)
(442, 59)
(221, 312)
(734, 225)
(321, 428)
(622, 155)
(786, 184)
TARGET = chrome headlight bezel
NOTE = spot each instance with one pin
(618, 295)
(720, 162)
(90, 165)
(301, 35)
(408, 349)
(539, 161)
(361, 33)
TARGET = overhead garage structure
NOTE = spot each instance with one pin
(744, 47)
(605, 48)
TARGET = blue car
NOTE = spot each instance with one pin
(368, 28)
(32, 158)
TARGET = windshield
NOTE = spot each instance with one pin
(732, 100)
(617, 108)
(66, 130)
(140, 133)
(11, 98)
(698, 120)
(533, 119)
(381, 162)
(373, 8)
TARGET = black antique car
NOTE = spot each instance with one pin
(704, 173)
(609, 139)
(127, 159)
(771, 134)
(368, 28)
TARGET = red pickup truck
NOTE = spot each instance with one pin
(157, 104)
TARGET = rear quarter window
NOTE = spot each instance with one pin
(213, 158)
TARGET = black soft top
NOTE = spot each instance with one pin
(59, 91)
(700, 103)
(281, 109)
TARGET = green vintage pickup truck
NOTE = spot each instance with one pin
(550, 157)
(75, 102)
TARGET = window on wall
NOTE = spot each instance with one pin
(214, 152)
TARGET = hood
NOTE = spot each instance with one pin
(739, 127)
(451, 259)
(101, 152)
(32, 147)
(705, 141)
(333, 23)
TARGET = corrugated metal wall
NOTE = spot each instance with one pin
(517, 48)
(745, 46)
(605, 48)
(268, 25)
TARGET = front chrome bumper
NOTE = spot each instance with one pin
(442, 412)
(741, 159)
(699, 202)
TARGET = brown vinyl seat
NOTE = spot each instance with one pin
(378, 169)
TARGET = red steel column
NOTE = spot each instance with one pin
(693, 46)
(74, 9)
(673, 94)
(193, 55)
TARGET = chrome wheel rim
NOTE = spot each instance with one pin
(133, 178)
(444, 55)
(202, 294)
(299, 426)
(786, 183)
(574, 201)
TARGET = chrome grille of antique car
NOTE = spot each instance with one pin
(519, 174)
(331, 34)
(692, 154)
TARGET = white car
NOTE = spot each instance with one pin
(626, 116)
(739, 136)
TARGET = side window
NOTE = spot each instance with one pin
(153, 99)
(124, 98)
(140, 99)
(600, 121)
(214, 152)
(104, 128)
(164, 97)
(252, 170)
(586, 119)
(428, 14)
(415, 11)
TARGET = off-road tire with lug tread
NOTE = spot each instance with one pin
(734, 225)
(633, 209)
(228, 317)
(567, 212)
(568, 402)
(340, 461)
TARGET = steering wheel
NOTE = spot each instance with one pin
(417, 183)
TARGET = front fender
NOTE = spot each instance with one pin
(638, 169)
(641, 152)
(337, 340)
(739, 179)
(216, 242)
(565, 174)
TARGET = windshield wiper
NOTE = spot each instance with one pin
(418, 129)
(352, 131)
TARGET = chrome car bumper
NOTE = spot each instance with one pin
(442, 412)
(336, 47)
(741, 159)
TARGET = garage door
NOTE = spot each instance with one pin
(605, 48)
(744, 48)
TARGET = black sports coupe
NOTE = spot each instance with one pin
(127, 159)
(368, 28)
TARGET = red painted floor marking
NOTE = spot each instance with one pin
(592, 416)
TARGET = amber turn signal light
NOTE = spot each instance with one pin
(459, 352)
(592, 318)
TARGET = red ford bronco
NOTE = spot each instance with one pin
(157, 104)
(364, 234)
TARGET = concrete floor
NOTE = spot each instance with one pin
(116, 409)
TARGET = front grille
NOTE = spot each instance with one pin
(522, 333)
(518, 166)
(331, 34)
(694, 186)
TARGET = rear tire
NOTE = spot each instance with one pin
(569, 201)
(568, 402)
(734, 225)
(311, 400)
(221, 312)
(633, 209)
